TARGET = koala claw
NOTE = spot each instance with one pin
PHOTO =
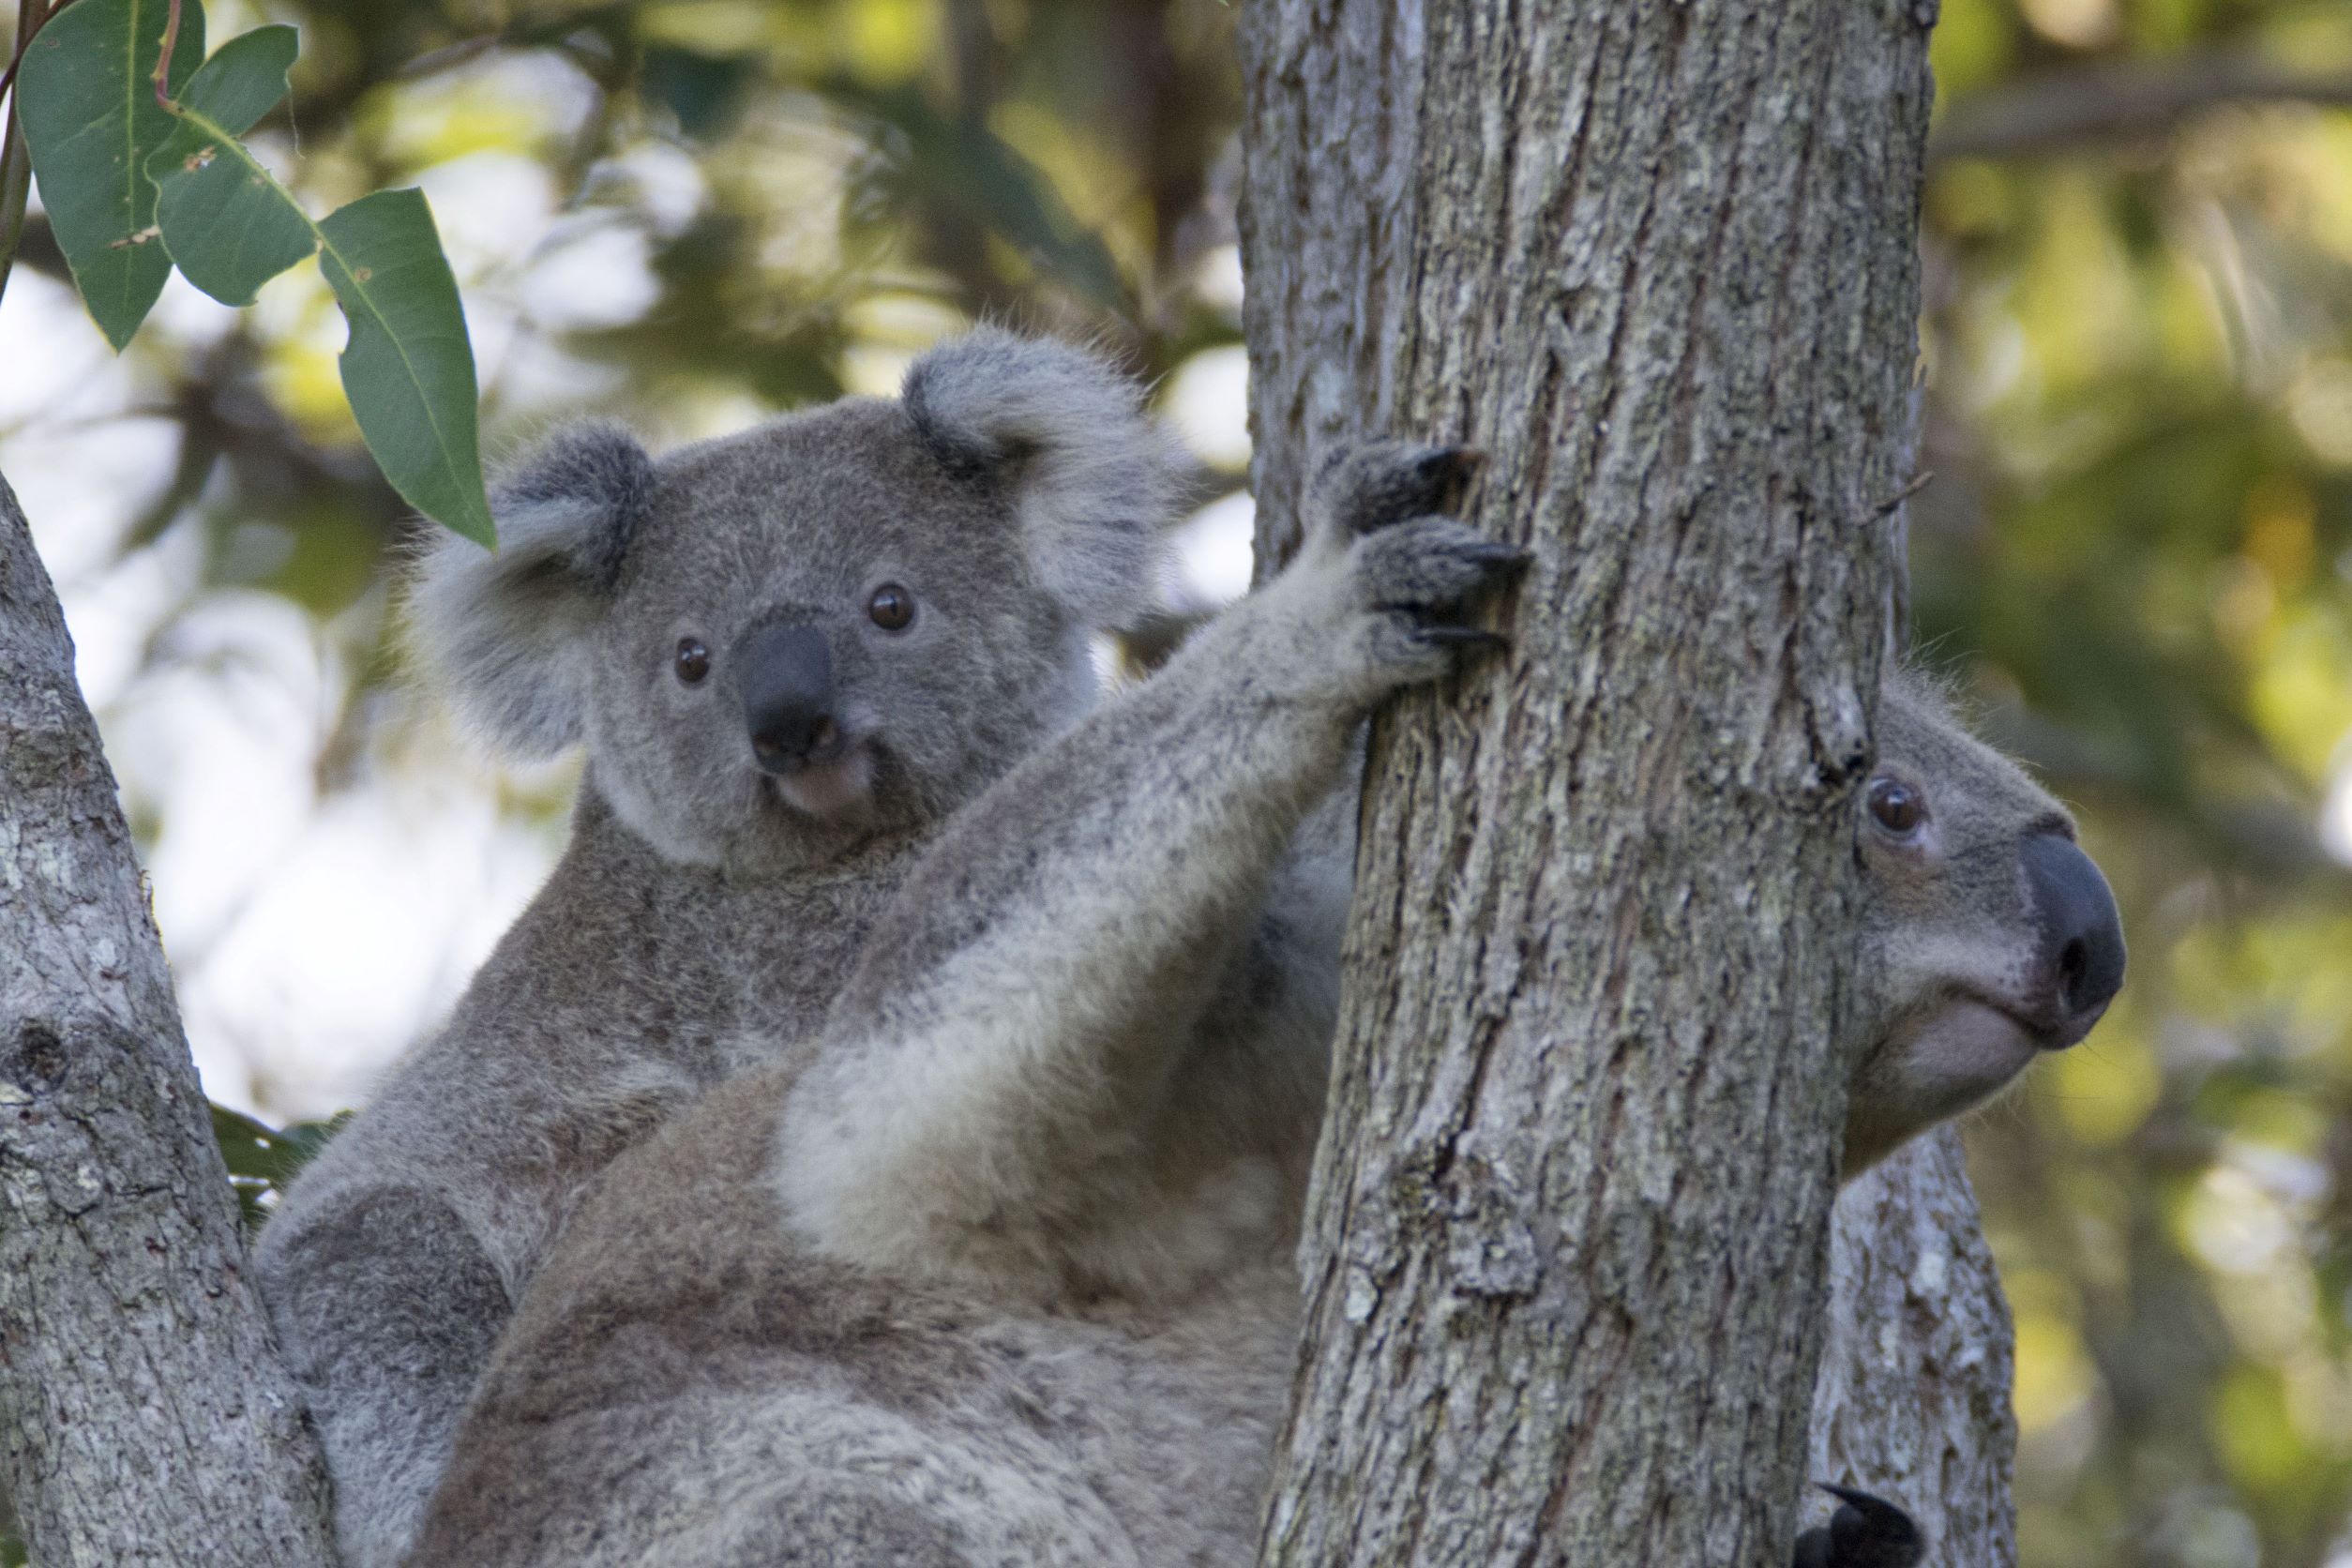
(1462, 637)
(1500, 559)
(1866, 1532)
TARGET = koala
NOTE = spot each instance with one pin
(1000, 1269)
(1992, 935)
(789, 654)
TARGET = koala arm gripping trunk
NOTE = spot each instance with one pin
(995, 1097)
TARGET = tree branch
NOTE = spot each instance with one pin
(1912, 1400)
(2060, 110)
(145, 1417)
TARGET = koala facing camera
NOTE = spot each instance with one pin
(788, 654)
(780, 642)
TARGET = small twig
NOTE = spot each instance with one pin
(30, 20)
(16, 180)
(1919, 482)
(16, 159)
(163, 60)
(535, 35)
(2108, 101)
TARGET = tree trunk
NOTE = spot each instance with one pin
(144, 1414)
(1565, 1262)
(1912, 1402)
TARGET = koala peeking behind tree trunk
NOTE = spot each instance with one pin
(999, 1270)
(789, 654)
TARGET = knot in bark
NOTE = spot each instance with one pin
(33, 1062)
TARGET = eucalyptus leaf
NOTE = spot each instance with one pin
(85, 96)
(409, 368)
(228, 224)
(247, 1149)
(262, 1159)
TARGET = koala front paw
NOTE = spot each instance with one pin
(1362, 490)
(1415, 578)
(1865, 1532)
(1398, 576)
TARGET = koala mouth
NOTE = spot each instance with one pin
(2049, 1029)
(840, 785)
(2073, 1030)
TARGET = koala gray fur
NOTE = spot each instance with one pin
(999, 1271)
(708, 905)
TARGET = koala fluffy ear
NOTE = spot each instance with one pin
(1095, 477)
(499, 633)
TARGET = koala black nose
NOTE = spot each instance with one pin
(2082, 936)
(785, 673)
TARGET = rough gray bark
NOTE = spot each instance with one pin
(144, 1415)
(1565, 1261)
(1912, 1402)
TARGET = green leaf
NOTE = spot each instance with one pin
(228, 225)
(86, 97)
(262, 1159)
(408, 369)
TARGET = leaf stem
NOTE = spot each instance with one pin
(16, 180)
(30, 20)
(16, 160)
(163, 60)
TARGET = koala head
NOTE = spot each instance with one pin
(842, 622)
(1994, 938)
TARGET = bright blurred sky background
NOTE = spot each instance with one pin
(2136, 554)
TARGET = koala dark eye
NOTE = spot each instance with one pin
(1897, 806)
(892, 608)
(693, 660)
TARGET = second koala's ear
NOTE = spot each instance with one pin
(1094, 474)
(499, 633)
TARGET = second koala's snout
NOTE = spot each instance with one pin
(2081, 935)
(785, 675)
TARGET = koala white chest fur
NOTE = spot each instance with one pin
(696, 1383)
(997, 1269)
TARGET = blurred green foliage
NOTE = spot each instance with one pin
(2137, 553)
(2139, 549)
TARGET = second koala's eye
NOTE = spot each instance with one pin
(1897, 806)
(693, 661)
(892, 608)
